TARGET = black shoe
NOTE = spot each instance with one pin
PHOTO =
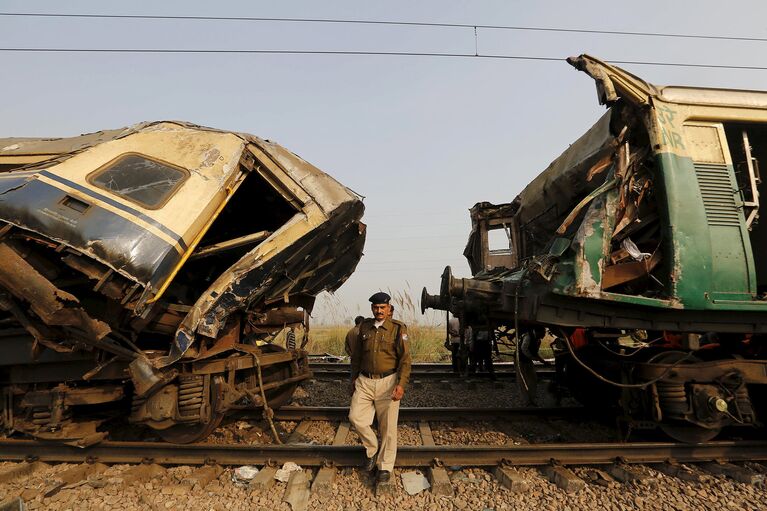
(383, 476)
(370, 464)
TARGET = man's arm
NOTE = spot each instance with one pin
(403, 357)
(356, 358)
(351, 337)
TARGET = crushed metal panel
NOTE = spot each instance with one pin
(166, 232)
(152, 242)
(544, 203)
(613, 82)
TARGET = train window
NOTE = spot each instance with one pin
(140, 179)
(499, 241)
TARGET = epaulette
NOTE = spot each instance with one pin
(398, 322)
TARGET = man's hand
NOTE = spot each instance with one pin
(397, 393)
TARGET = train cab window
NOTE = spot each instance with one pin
(140, 179)
(500, 249)
(499, 242)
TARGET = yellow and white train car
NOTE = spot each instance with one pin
(133, 262)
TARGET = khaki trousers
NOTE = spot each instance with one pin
(374, 397)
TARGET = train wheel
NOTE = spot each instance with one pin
(685, 432)
(689, 433)
(190, 433)
(279, 396)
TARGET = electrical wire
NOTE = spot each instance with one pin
(422, 24)
(618, 384)
(365, 53)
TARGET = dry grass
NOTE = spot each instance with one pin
(426, 332)
(426, 342)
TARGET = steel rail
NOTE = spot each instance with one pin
(407, 456)
(326, 370)
(417, 366)
(442, 414)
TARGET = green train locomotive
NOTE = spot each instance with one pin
(641, 251)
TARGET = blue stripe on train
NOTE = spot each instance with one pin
(125, 245)
(112, 202)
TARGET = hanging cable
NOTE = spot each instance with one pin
(365, 53)
(617, 384)
(386, 22)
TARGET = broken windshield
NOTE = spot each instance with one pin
(148, 182)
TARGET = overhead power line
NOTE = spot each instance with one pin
(371, 53)
(388, 22)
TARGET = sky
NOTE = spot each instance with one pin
(421, 138)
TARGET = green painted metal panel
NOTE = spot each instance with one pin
(732, 271)
(706, 237)
(687, 247)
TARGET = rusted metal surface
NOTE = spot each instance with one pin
(640, 241)
(162, 254)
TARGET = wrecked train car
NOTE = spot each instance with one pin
(642, 251)
(145, 270)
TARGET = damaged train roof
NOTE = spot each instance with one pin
(163, 203)
(545, 200)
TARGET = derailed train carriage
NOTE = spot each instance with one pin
(145, 270)
(641, 250)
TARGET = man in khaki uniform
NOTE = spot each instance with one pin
(380, 369)
(351, 335)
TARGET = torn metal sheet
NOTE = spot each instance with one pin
(165, 242)
(640, 245)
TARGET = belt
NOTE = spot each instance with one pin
(378, 376)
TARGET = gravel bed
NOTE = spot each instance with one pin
(476, 489)
(557, 430)
(475, 433)
(321, 432)
(250, 432)
(454, 393)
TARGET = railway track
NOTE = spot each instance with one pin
(341, 454)
(407, 456)
(570, 466)
(428, 371)
(442, 414)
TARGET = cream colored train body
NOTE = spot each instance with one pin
(144, 257)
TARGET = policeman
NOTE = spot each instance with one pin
(380, 368)
(351, 335)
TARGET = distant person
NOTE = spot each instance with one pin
(453, 343)
(391, 311)
(351, 335)
(380, 370)
(529, 345)
(483, 352)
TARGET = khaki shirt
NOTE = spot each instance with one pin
(380, 350)
(351, 338)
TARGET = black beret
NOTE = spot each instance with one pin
(380, 297)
